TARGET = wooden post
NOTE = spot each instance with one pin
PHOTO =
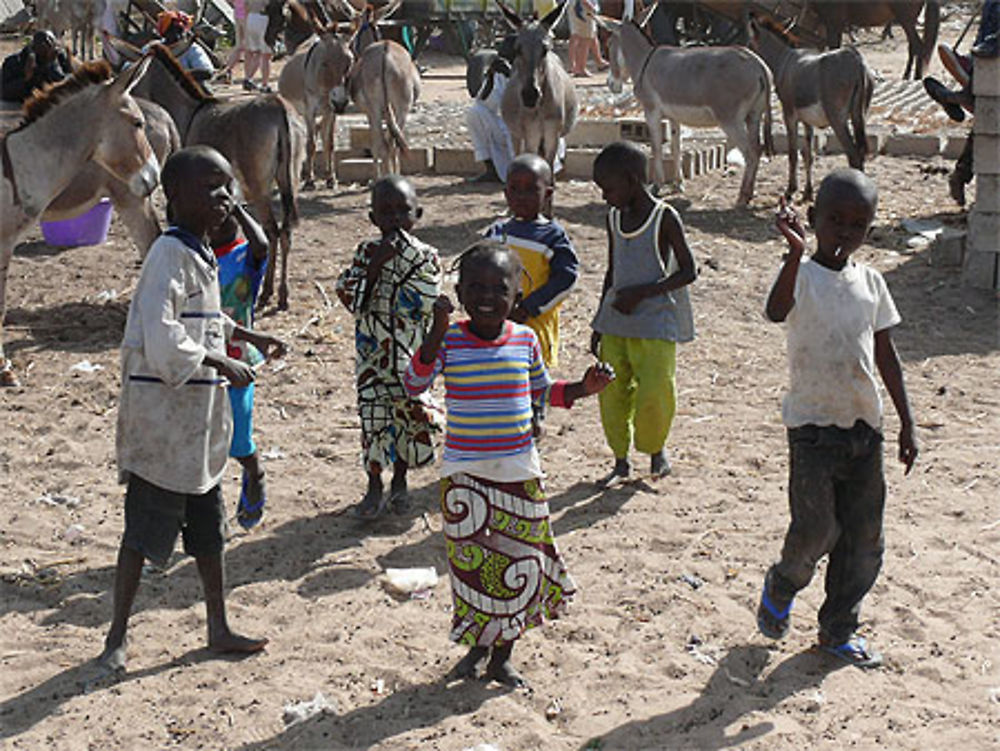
(982, 258)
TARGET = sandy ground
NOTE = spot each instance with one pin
(645, 659)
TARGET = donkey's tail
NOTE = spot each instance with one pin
(861, 99)
(768, 123)
(390, 116)
(288, 149)
(932, 21)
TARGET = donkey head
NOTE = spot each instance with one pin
(534, 42)
(335, 60)
(616, 69)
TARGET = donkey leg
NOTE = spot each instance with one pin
(285, 240)
(792, 129)
(807, 158)
(655, 126)
(328, 132)
(308, 182)
(7, 377)
(839, 127)
(737, 134)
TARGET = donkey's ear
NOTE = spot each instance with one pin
(387, 10)
(128, 78)
(129, 52)
(641, 19)
(611, 25)
(513, 20)
(551, 18)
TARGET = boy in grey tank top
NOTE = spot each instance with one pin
(644, 310)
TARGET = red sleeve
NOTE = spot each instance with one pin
(557, 395)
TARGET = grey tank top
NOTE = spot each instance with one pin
(637, 260)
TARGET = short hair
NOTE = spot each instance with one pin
(396, 183)
(43, 37)
(846, 183)
(621, 157)
(179, 166)
(531, 163)
(487, 251)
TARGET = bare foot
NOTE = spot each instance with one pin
(371, 506)
(619, 472)
(659, 464)
(399, 495)
(113, 657)
(468, 666)
(503, 672)
(229, 642)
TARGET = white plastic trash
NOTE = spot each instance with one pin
(410, 580)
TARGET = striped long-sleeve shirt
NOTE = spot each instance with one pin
(489, 389)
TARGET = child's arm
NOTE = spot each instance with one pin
(671, 237)
(237, 372)
(269, 346)
(427, 362)
(594, 380)
(253, 232)
(432, 342)
(354, 286)
(564, 270)
(782, 298)
(887, 361)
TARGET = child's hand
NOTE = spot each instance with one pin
(271, 346)
(597, 378)
(627, 299)
(442, 312)
(907, 447)
(237, 372)
(385, 250)
(788, 224)
(519, 314)
(595, 344)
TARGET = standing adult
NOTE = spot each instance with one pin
(258, 52)
(41, 62)
(239, 46)
(583, 37)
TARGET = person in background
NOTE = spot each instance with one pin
(41, 62)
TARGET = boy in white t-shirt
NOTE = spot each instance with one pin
(839, 316)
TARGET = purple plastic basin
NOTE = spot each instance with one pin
(90, 228)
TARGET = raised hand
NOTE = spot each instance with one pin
(598, 377)
(788, 224)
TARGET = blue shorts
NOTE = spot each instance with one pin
(241, 400)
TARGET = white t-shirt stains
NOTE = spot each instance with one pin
(831, 346)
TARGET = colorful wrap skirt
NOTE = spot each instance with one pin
(506, 573)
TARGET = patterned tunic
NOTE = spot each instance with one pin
(392, 315)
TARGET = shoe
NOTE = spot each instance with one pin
(959, 65)
(945, 97)
(855, 651)
(988, 47)
(249, 85)
(772, 621)
(249, 511)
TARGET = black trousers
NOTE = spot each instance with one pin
(836, 494)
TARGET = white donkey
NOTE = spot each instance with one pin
(725, 87)
(88, 118)
(539, 104)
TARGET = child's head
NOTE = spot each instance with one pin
(842, 214)
(529, 184)
(620, 173)
(394, 205)
(489, 283)
(198, 183)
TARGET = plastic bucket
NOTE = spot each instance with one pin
(90, 228)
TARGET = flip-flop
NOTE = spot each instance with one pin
(771, 621)
(249, 513)
(855, 651)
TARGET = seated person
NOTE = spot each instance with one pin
(41, 62)
(175, 26)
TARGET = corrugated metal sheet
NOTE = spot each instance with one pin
(10, 10)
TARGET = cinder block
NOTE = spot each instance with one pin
(986, 155)
(953, 146)
(988, 192)
(980, 270)
(948, 249)
(417, 161)
(455, 162)
(359, 137)
(987, 115)
(579, 164)
(984, 231)
(355, 170)
(910, 144)
(634, 129)
(593, 133)
(986, 82)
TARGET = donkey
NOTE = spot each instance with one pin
(821, 90)
(727, 87)
(262, 137)
(314, 81)
(94, 182)
(539, 104)
(88, 118)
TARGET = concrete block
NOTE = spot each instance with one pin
(953, 146)
(987, 115)
(417, 161)
(634, 129)
(579, 164)
(355, 170)
(980, 270)
(832, 144)
(948, 249)
(910, 144)
(593, 133)
(455, 162)
(986, 82)
(987, 192)
(986, 155)
(984, 231)
(359, 137)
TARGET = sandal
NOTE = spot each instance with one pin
(249, 511)
(368, 511)
(855, 651)
(771, 621)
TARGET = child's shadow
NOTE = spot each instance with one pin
(586, 503)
